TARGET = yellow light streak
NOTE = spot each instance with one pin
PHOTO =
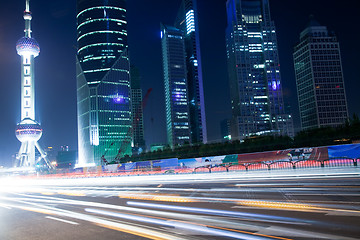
(48, 193)
(76, 194)
(43, 211)
(291, 206)
(132, 232)
(257, 234)
(164, 198)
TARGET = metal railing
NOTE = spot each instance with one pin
(225, 167)
(279, 164)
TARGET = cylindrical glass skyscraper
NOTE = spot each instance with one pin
(103, 81)
(102, 35)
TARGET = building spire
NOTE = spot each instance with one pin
(27, 8)
(27, 18)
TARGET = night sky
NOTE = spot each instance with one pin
(54, 27)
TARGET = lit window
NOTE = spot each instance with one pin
(190, 22)
(26, 59)
(27, 70)
(27, 81)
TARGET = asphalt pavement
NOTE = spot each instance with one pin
(307, 204)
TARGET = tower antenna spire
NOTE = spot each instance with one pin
(27, 8)
(27, 18)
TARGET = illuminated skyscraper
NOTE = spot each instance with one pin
(254, 71)
(187, 21)
(28, 131)
(103, 81)
(319, 78)
(175, 81)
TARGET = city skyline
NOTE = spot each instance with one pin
(55, 28)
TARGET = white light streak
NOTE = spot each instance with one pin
(62, 220)
(176, 224)
(209, 211)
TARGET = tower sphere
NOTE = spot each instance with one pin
(27, 46)
(27, 16)
(28, 130)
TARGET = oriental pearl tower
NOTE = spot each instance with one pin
(28, 131)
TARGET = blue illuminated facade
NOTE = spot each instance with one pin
(187, 21)
(175, 81)
(254, 71)
(103, 81)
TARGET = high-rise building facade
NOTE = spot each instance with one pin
(254, 71)
(319, 78)
(187, 21)
(137, 111)
(175, 81)
(103, 81)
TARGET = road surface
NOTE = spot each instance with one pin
(291, 204)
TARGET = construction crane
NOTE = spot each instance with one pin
(125, 142)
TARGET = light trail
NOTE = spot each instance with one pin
(53, 211)
(243, 202)
(188, 217)
(123, 227)
(265, 210)
(183, 178)
(87, 191)
(4, 206)
(174, 224)
(62, 220)
(160, 206)
(213, 212)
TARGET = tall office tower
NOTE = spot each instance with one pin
(176, 96)
(254, 71)
(187, 21)
(137, 111)
(28, 131)
(319, 78)
(103, 81)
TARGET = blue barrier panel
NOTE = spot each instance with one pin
(188, 163)
(130, 166)
(165, 164)
(201, 162)
(121, 167)
(77, 170)
(112, 168)
(144, 166)
(342, 151)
